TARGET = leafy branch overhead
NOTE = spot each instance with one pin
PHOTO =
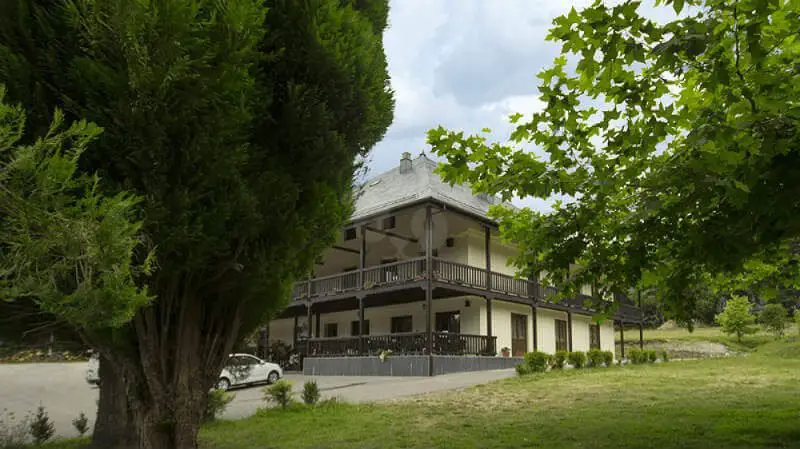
(675, 146)
(66, 246)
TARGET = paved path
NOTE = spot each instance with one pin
(61, 389)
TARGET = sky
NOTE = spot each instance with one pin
(466, 65)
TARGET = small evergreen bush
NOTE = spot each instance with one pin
(594, 358)
(608, 358)
(310, 393)
(558, 359)
(216, 403)
(42, 428)
(651, 355)
(536, 361)
(577, 359)
(637, 356)
(81, 424)
(664, 355)
(279, 393)
(523, 369)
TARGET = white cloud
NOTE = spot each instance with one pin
(467, 65)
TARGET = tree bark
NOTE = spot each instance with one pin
(153, 396)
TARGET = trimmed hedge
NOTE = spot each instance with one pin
(594, 358)
(577, 359)
(558, 360)
(536, 361)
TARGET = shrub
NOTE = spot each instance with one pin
(608, 358)
(280, 393)
(664, 355)
(523, 369)
(736, 317)
(637, 356)
(797, 319)
(558, 359)
(577, 359)
(14, 433)
(310, 393)
(652, 355)
(594, 358)
(216, 403)
(536, 361)
(328, 402)
(773, 318)
(42, 429)
(81, 424)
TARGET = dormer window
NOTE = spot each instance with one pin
(349, 234)
(389, 222)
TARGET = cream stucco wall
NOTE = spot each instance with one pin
(473, 321)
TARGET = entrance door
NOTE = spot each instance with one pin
(519, 335)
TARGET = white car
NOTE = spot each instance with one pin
(246, 369)
(93, 370)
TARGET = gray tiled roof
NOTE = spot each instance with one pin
(396, 188)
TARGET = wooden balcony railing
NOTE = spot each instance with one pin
(400, 343)
(459, 273)
(446, 271)
(412, 343)
(463, 344)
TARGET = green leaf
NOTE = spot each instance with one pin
(677, 5)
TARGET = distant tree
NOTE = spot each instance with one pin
(736, 317)
(238, 125)
(773, 317)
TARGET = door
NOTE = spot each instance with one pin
(519, 335)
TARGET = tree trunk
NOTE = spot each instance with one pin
(126, 420)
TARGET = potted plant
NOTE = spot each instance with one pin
(506, 351)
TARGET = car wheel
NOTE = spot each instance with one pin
(223, 384)
(273, 377)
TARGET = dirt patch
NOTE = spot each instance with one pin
(690, 349)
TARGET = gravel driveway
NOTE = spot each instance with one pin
(61, 389)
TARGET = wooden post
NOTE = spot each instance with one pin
(487, 250)
(429, 284)
(641, 336)
(362, 257)
(361, 325)
(308, 327)
(569, 330)
(622, 339)
(294, 334)
(488, 253)
(489, 331)
(535, 327)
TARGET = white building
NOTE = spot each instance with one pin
(413, 263)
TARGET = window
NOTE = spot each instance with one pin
(350, 234)
(331, 329)
(354, 328)
(389, 222)
(561, 335)
(448, 322)
(402, 324)
(594, 336)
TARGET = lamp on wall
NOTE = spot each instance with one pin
(467, 303)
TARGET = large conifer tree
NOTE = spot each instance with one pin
(239, 124)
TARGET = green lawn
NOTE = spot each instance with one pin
(736, 402)
(712, 334)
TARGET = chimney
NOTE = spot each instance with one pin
(405, 162)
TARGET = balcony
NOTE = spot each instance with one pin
(463, 278)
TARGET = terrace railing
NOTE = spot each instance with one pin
(412, 343)
(446, 271)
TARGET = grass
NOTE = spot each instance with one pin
(735, 402)
(712, 334)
